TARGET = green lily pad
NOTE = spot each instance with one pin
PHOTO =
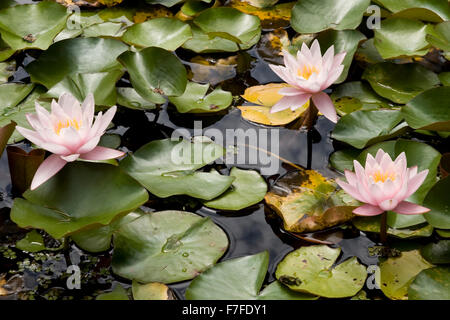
(437, 253)
(439, 36)
(32, 25)
(368, 53)
(400, 82)
(105, 29)
(171, 3)
(247, 189)
(166, 33)
(366, 127)
(443, 233)
(80, 195)
(168, 167)
(345, 40)
(311, 270)
(33, 242)
(231, 24)
(7, 69)
(396, 274)
(80, 85)
(119, 293)
(80, 55)
(240, 279)
(99, 239)
(167, 247)
(445, 78)
(128, 97)
(5, 50)
(155, 72)
(429, 110)
(431, 284)
(401, 37)
(343, 159)
(438, 201)
(308, 202)
(427, 10)
(334, 14)
(195, 99)
(151, 291)
(202, 43)
(372, 224)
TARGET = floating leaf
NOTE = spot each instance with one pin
(151, 291)
(445, 78)
(119, 293)
(32, 25)
(166, 33)
(247, 189)
(170, 3)
(401, 37)
(334, 14)
(429, 110)
(396, 274)
(33, 242)
(307, 202)
(231, 24)
(5, 134)
(311, 270)
(444, 165)
(128, 97)
(437, 253)
(372, 224)
(81, 194)
(365, 127)
(368, 53)
(345, 40)
(202, 43)
(105, 29)
(168, 167)
(7, 69)
(23, 165)
(240, 279)
(266, 96)
(5, 50)
(431, 284)
(439, 36)
(431, 10)
(195, 99)
(343, 159)
(399, 82)
(438, 201)
(71, 57)
(155, 72)
(167, 247)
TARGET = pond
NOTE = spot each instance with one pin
(292, 160)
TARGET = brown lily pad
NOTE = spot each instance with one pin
(5, 134)
(23, 165)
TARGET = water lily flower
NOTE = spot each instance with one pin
(309, 74)
(383, 185)
(69, 132)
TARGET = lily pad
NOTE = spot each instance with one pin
(202, 43)
(400, 82)
(128, 97)
(167, 247)
(231, 24)
(266, 96)
(343, 159)
(155, 72)
(437, 253)
(32, 25)
(247, 189)
(345, 40)
(240, 279)
(151, 291)
(7, 69)
(438, 201)
(307, 202)
(334, 14)
(80, 195)
(401, 37)
(5, 50)
(429, 110)
(428, 10)
(372, 224)
(195, 99)
(396, 274)
(166, 33)
(71, 57)
(431, 284)
(310, 270)
(439, 36)
(5, 133)
(119, 293)
(168, 167)
(365, 127)
(33, 242)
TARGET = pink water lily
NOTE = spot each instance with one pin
(309, 74)
(383, 185)
(69, 132)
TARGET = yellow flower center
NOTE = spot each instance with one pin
(383, 176)
(307, 71)
(66, 124)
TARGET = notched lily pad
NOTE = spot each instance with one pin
(307, 202)
(431, 284)
(167, 247)
(310, 269)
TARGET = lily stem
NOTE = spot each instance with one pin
(383, 228)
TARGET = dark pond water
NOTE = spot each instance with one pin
(250, 231)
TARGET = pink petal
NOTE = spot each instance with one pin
(51, 166)
(351, 177)
(280, 72)
(306, 52)
(70, 158)
(406, 207)
(388, 205)
(351, 190)
(293, 102)
(70, 105)
(89, 109)
(338, 59)
(102, 153)
(31, 135)
(415, 182)
(290, 91)
(89, 145)
(315, 52)
(333, 76)
(325, 106)
(106, 120)
(328, 58)
(367, 210)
